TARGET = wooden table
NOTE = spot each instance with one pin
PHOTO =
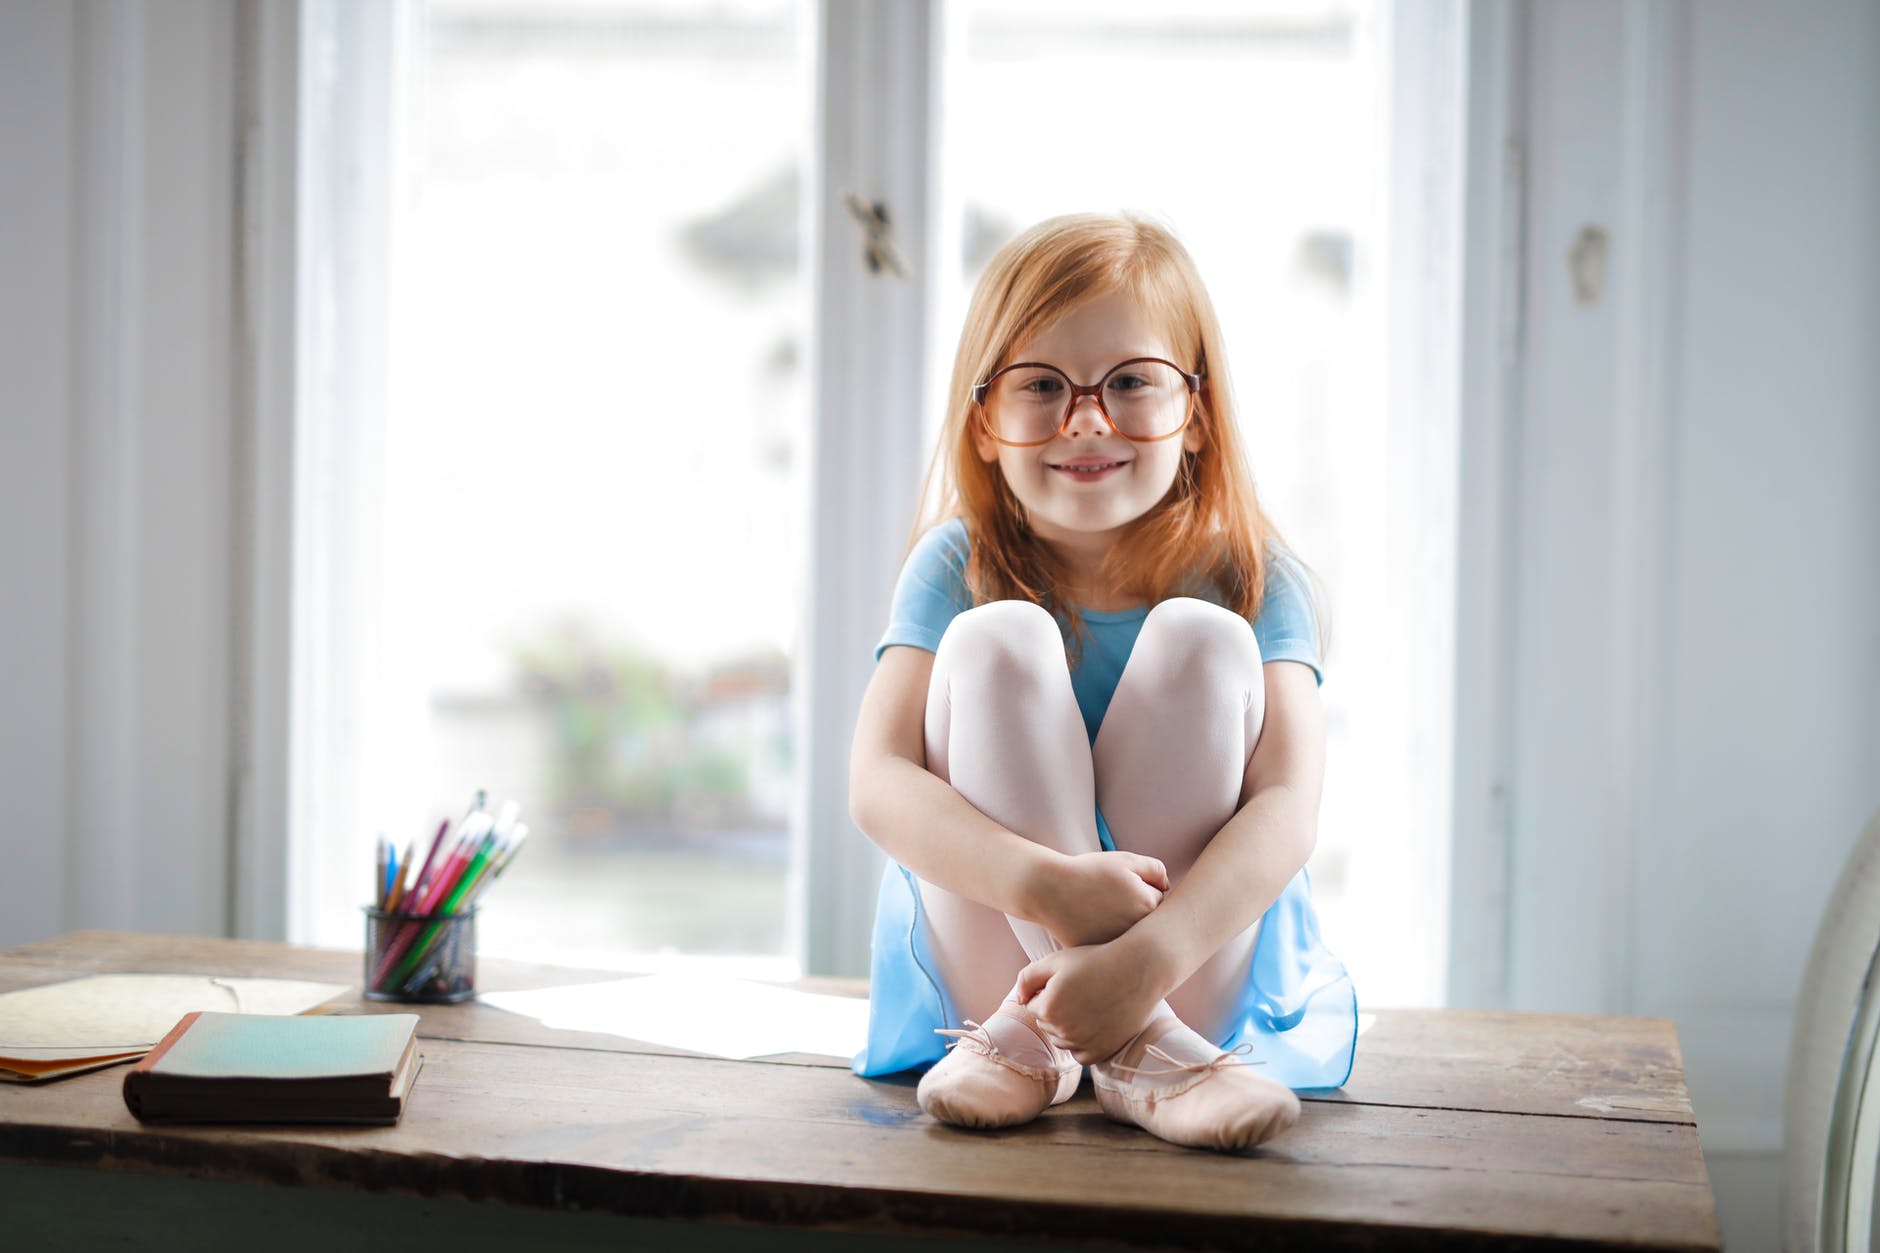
(1458, 1129)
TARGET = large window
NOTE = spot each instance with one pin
(567, 511)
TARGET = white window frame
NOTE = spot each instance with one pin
(1424, 244)
(269, 174)
(1490, 351)
(862, 470)
(316, 391)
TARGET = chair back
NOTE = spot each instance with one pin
(1831, 1110)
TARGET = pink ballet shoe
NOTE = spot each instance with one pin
(998, 1074)
(1214, 1104)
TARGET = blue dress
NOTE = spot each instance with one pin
(1297, 1006)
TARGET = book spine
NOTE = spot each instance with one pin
(134, 1077)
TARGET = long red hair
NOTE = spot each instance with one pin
(1208, 534)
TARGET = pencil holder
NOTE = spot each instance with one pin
(425, 958)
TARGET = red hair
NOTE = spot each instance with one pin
(1208, 531)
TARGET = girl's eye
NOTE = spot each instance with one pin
(1128, 382)
(1044, 387)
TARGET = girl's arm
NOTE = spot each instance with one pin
(1248, 864)
(915, 816)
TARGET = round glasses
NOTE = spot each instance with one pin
(1143, 399)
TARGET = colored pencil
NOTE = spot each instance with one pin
(431, 856)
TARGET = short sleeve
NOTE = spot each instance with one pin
(931, 591)
(1286, 628)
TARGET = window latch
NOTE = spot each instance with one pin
(879, 251)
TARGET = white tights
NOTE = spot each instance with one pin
(1167, 768)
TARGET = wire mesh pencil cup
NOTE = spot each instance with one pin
(423, 958)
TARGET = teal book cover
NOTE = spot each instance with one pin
(282, 1046)
(215, 1067)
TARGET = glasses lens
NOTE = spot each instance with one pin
(1026, 405)
(1146, 399)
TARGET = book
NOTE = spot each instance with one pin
(215, 1067)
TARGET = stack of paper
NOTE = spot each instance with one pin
(701, 1014)
(65, 1028)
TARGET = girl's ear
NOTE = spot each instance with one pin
(987, 446)
(1194, 439)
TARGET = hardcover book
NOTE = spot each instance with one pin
(215, 1067)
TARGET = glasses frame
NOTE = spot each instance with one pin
(1078, 392)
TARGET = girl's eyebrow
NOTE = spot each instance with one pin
(1114, 361)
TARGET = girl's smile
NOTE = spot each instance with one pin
(1090, 469)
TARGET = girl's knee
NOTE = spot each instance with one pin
(1194, 636)
(1008, 638)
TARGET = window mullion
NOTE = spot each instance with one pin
(877, 90)
(339, 326)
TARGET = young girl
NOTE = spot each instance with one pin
(1097, 782)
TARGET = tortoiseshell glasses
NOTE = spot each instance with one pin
(1143, 399)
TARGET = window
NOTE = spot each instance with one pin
(560, 514)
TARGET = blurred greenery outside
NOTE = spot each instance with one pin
(638, 745)
(662, 796)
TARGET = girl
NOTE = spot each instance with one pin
(1097, 785)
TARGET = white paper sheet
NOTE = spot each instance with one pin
(705, 1014)
(91, 1016)
(701, 1014)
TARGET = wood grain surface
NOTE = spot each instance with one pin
(1458, 1129)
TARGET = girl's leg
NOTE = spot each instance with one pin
(1170, 760)
(1171, 757)
(1004, 729)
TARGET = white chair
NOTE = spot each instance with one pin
(1831, 1111)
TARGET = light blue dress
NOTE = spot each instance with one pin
(1298, 1006)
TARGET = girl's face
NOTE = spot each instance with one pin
(1067, 508)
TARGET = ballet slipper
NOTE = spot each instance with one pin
(1197, 1095)
(998, 1074)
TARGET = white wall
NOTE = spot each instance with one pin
(37, 47)
(1696, 678)
(117, 383)
(1772, 763)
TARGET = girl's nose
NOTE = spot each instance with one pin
(1086, 416)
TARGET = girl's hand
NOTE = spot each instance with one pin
(1091, 898)
(1089, 1000)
